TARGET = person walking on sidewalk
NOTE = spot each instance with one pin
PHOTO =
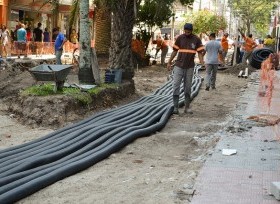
(58, 44)
(186, 45)
(249, 46)
(212, 48)
(161, 45)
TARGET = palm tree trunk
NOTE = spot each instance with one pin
(85, 71)
(102, 31)
(120, 55)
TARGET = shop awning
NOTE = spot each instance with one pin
(39, 6)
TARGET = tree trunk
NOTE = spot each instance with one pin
(102, 31)
(95, 67)
(248, 25)
(120, 55)
(85, 71)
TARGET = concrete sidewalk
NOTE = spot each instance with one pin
(245, 177)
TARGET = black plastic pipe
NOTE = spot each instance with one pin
(78, 146)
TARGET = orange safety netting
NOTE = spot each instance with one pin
(41, 48)
(267, 76)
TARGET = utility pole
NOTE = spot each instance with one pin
(172, 28)
(236, 43)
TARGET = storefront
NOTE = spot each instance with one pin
(3, 11)
(29, 12)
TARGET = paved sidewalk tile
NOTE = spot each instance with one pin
(245, 177)
(231, 185)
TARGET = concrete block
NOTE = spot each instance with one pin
(275, 190)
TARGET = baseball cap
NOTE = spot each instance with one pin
(188, 26)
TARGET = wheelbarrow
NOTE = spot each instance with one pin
(51, 72)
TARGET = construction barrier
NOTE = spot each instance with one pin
(267, 76)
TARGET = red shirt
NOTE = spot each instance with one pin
(224, 43)
(28, 35)
(187, 47)
(250, 44)
(161, 44)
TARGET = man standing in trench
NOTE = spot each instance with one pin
(187, 45)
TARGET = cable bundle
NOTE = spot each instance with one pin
(258, 56)
(27, 168)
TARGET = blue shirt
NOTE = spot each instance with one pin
(58, 41)
(21, 35)
(212, 49)
(46, 36)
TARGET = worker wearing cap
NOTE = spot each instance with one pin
(186, 45)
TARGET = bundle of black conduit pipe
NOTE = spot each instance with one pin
(258, 56)
(27, 168)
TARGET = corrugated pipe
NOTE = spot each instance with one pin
(258, 56)
(27, 168)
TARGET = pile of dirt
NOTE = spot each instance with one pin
(235, 70)
(56, 110)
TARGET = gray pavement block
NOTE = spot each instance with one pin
(275, 190)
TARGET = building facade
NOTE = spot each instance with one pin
(3, 11)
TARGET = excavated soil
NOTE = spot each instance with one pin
(159, 168)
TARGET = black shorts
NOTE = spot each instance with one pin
(21, 45)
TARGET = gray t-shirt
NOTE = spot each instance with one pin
(212, 48)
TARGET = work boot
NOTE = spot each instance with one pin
(176, 104)
(187, 106)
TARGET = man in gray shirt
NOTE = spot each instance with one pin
(212, 48)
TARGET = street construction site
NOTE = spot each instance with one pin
(227, 151)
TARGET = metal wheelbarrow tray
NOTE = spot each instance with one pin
(51, 72)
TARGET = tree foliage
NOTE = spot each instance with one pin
(253, 12)
(206, 21)
(151, 13)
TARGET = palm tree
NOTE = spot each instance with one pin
(102, 34)
(85, 71)
(120, 54)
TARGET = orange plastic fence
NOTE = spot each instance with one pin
(40, 48)
(267, 76)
